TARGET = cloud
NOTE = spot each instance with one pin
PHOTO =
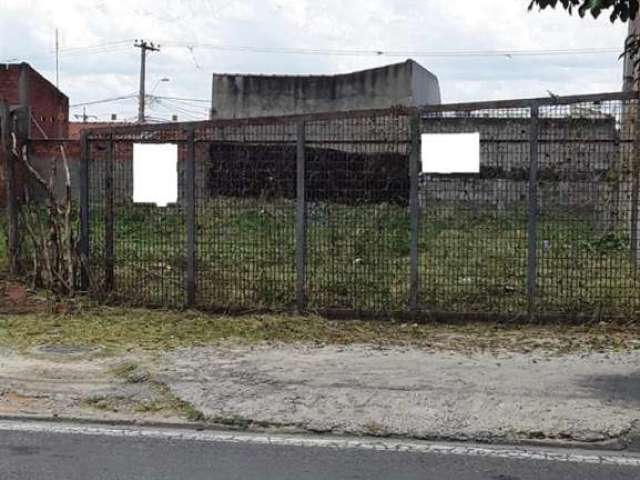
(27, 32)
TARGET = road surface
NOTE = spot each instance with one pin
(39, 451)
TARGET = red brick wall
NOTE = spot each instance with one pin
(9, 84)
(49, 108)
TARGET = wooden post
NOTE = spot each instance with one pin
(532, 212)
(190, 219)
(108, 219)
(414, 211)
(301, 218)
(10, 187)
(84, 213)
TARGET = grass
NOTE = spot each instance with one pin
(117, 329)
(167, 403)
(358, 258)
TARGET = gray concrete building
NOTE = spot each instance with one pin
(400, 84)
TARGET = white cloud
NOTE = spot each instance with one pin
(27, 32)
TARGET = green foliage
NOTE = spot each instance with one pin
(471, 259)
(611, 242)
(622, 10)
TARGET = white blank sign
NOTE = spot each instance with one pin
(451, 152)
(155, 173)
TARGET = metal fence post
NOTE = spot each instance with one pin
(414, 210)
(108, 219)
(532, 211)
(190, 219)
(301, 220)
(84, 213)
(635, 188)
(9, 185)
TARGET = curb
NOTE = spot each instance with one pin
(629, 443)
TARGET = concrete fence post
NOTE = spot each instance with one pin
(635, 187)
(301, 217)
(190, 219)
(84, 213)
(532, 211)
(108, 219)
(414, 210)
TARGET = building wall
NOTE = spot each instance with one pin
(41, 155)
(22, 85)
(578, 158)
(9, 76)
(245, 96)
(49, 110)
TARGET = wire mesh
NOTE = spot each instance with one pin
(357, 193)
(245, 209)
(473, 237)
(473, 227)
(148, 240)
(584, 236)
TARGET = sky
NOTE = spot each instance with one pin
(198, 37)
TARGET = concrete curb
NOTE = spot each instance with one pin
(627, 443)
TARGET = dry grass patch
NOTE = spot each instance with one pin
(119, 329)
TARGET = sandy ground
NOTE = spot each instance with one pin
(407, 392)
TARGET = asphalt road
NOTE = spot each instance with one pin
(50, 452)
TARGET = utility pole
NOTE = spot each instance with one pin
(57, 61)
(143, 45)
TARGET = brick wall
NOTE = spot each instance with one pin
(49, 108)
(42, 152)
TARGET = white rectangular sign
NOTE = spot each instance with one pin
(451, 152)
(155, 173)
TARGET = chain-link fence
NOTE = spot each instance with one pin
(337, 213)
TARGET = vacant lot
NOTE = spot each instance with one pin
(358, 258)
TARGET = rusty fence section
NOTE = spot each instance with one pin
(338, 213)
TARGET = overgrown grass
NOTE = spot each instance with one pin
(117, 329)
(358, 258)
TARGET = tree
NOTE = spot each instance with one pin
(623, 10)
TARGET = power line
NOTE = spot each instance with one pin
(189, 113)
(394, 53)
(122, 45)
(104, 100)
(173, 110)
(107, 47)
(204, 100)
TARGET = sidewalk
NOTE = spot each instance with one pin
(588, 398)
(554, 384)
